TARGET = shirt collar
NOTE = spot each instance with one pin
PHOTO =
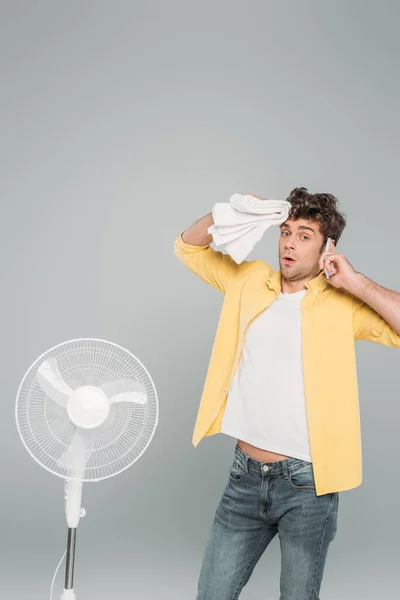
(318, 283)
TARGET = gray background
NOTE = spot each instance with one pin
(121, 124)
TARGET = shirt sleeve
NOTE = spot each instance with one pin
(213, 266)
(370, 326)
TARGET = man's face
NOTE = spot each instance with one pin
(303, 241)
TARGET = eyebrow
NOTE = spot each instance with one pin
(300, 227)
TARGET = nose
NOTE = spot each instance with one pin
(289, 245)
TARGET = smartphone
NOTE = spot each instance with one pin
(327, 249)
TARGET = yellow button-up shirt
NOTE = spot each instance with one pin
(332, 319)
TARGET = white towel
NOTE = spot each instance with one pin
(240, 223)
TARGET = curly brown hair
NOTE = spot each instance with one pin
(320, 208)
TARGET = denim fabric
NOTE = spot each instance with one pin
(260, 500)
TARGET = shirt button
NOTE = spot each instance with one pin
(225, 389)
(213, 414)
(265, 467)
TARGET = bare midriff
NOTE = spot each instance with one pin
(259, 453)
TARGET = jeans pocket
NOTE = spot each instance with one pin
(302, 478)
(236, 470)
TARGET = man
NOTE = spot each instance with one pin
(282, 380)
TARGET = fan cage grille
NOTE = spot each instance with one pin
(46, 430)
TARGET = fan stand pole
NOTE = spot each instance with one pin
(69, 593)
(74, 511)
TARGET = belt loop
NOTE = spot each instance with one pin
(246, 463)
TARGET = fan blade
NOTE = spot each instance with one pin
(125, 390)
(52, 383)
(135, 397)
(76, 456)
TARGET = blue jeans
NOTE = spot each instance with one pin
(260, 500)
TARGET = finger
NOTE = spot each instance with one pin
(323, 259)
(332, 272)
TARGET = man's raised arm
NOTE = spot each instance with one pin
(196, 234)
(193, 249)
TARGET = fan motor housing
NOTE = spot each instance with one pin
(88, 407)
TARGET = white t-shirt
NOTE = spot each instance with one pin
(266, 402)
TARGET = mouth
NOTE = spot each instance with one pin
(288, 261)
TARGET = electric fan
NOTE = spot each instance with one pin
(86, 410)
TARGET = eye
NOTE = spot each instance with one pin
(303, 236)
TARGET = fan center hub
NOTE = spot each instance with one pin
(88, 407)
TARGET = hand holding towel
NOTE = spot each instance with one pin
(240, 223)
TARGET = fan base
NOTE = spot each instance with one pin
(68, 595)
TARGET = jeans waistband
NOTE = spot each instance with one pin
(274, 467)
